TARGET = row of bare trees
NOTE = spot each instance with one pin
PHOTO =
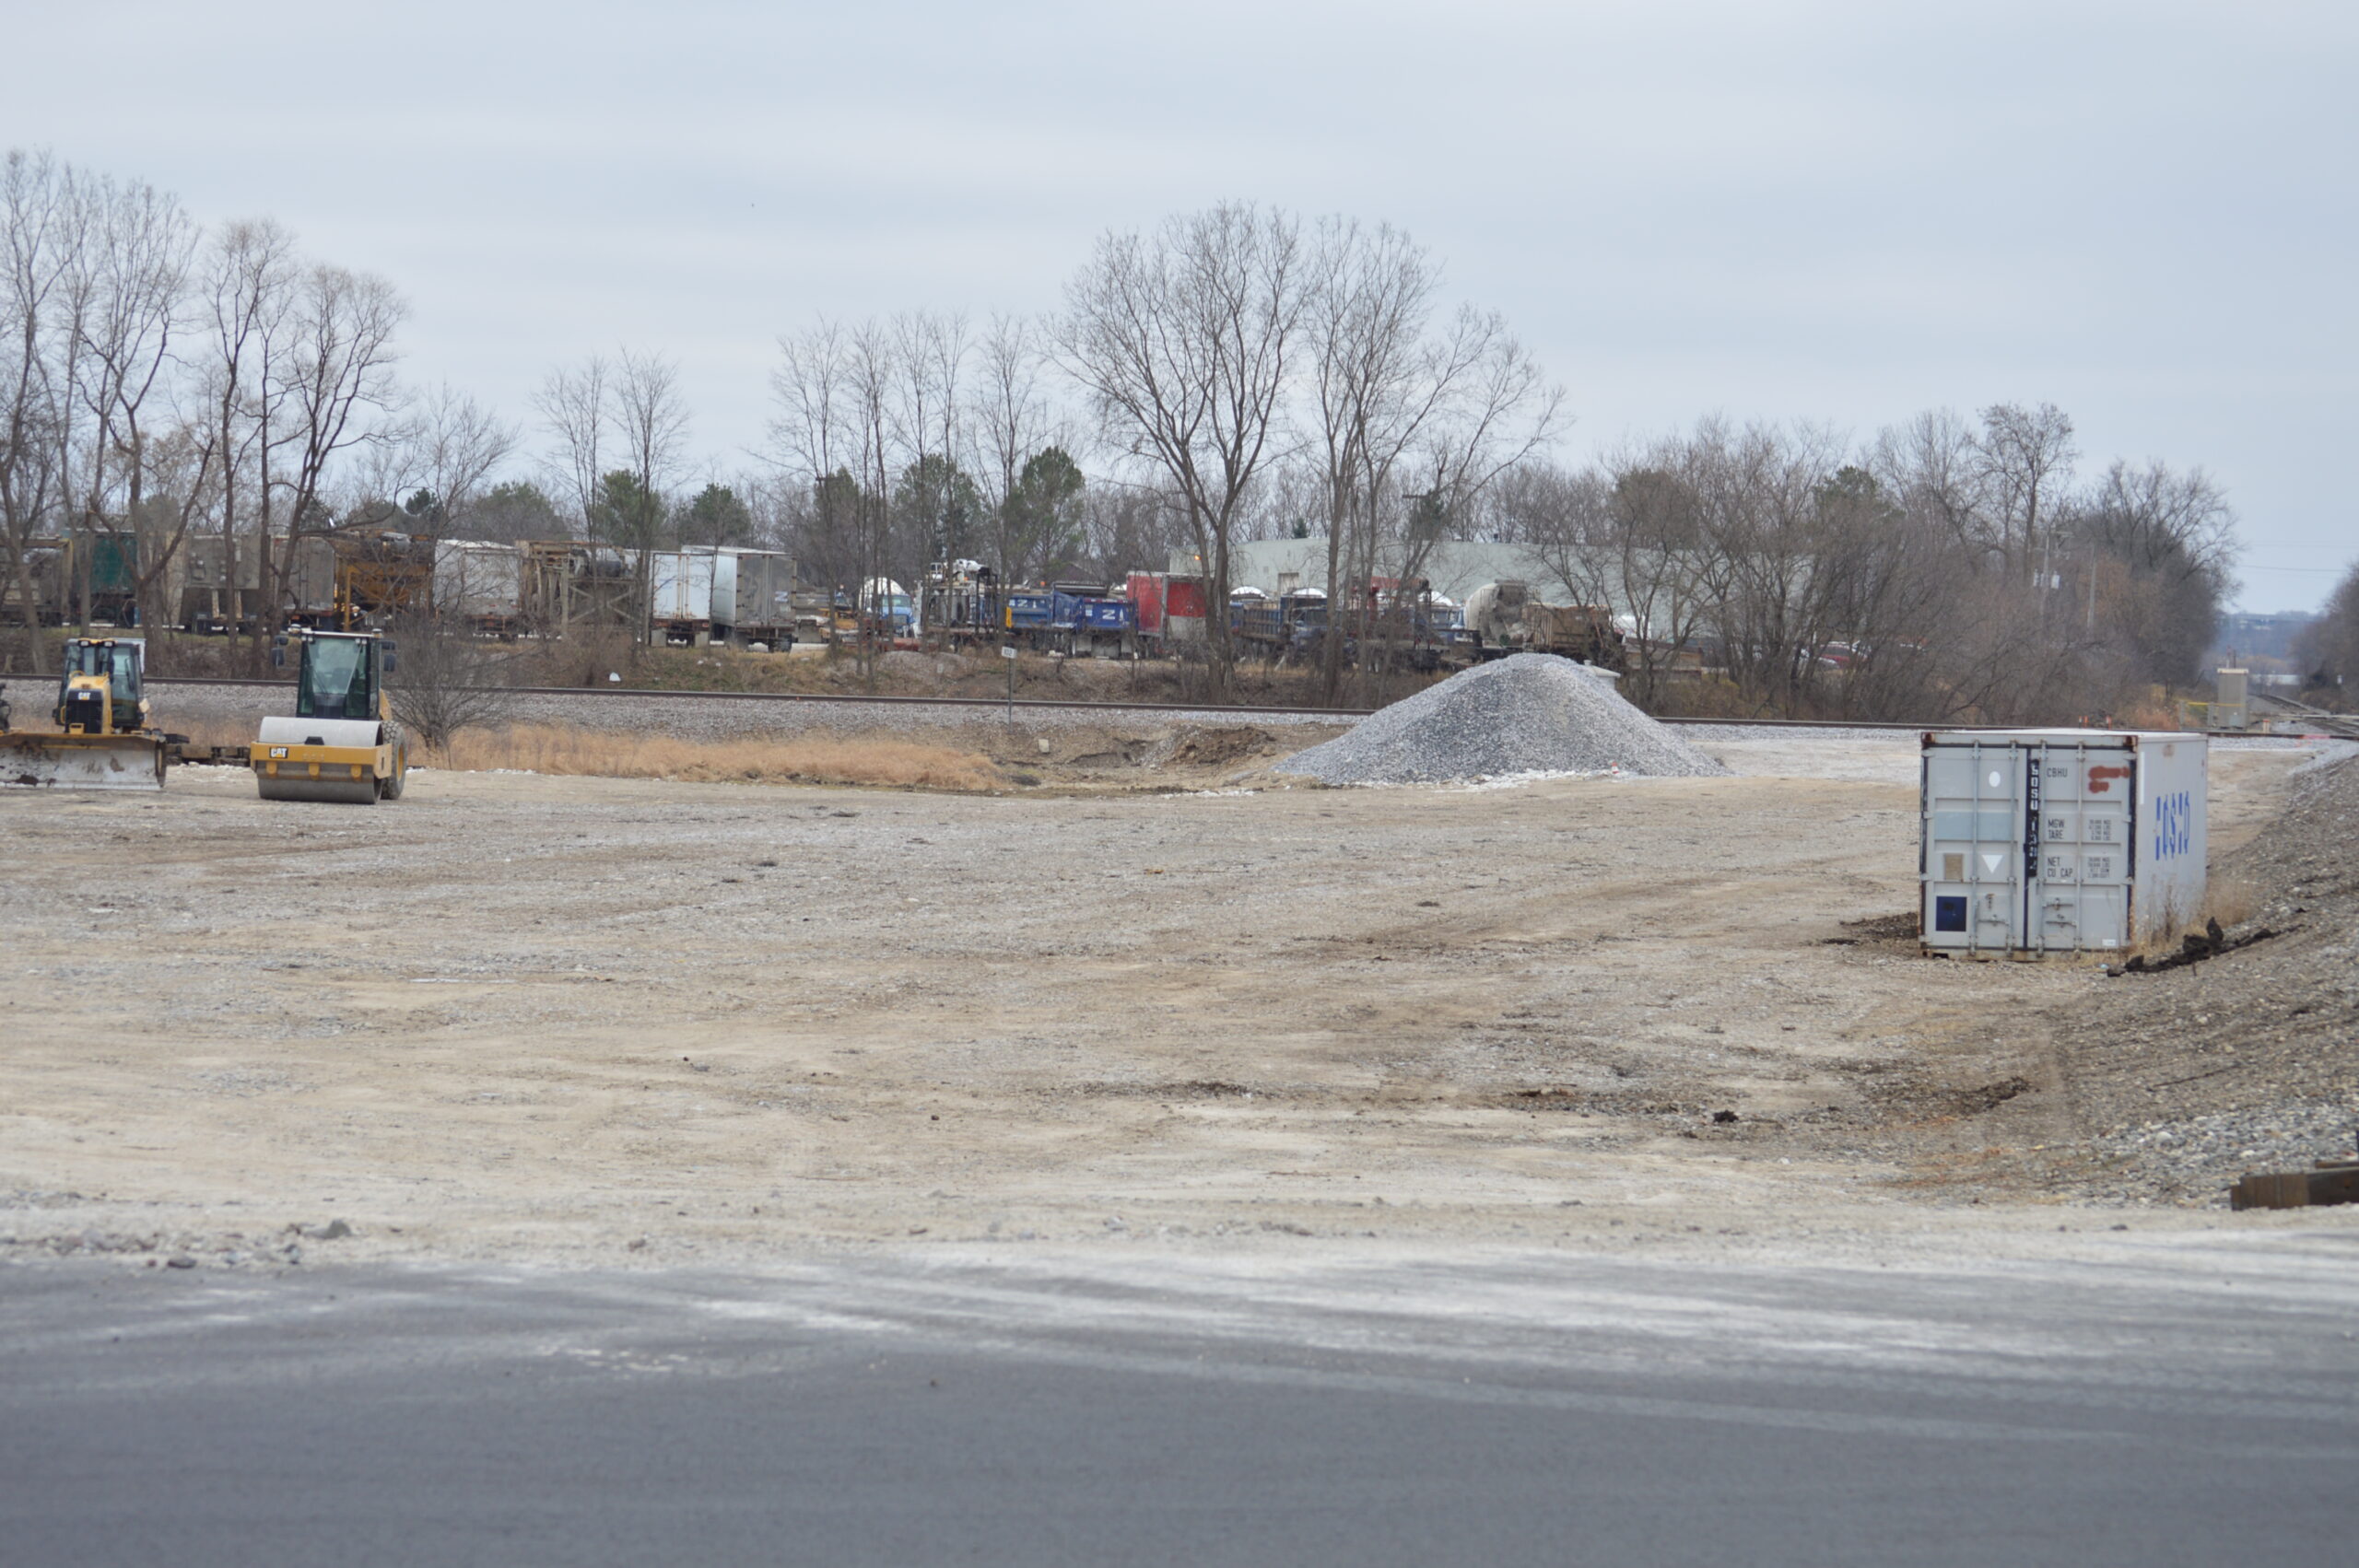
(1940, 569)
(1222, 360)
(1226, 375)
(920, 439)
(2326, 652)
(174, 387)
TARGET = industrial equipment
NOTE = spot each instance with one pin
(1503, 618)
(102, 741)
(342, 743)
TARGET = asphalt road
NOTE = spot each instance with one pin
(2140, 1403)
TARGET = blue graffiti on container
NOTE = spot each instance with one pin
(2174, 825)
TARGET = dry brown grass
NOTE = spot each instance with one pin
(2231, 899)
(209, 732)
(818, 759)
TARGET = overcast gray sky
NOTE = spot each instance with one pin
(2142, 211)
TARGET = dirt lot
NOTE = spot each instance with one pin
(573, 1018)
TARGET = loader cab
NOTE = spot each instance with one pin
(98, 688)
(340, 674)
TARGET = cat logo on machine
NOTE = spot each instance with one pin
(279, 751)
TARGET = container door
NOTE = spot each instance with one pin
(2084, 799)
(2170, 842)
(724, 611)
(1973, 848)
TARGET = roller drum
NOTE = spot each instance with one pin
(358, 733)
(342, 791)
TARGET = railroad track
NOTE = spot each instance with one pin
(2342, 725)
(991, 704)
(851, 699)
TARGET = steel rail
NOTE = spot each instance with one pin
(853, 699)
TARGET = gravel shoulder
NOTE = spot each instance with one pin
(2182, 1080)
(572, 1020)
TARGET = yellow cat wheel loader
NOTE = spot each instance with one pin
(342, 743)
(101, 741)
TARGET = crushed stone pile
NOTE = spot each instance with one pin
(1530, 713)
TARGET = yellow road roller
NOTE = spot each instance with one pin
(342, 745)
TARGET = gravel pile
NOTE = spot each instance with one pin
(1531, 713)
(2186, 1079)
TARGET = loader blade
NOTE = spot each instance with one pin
(81, 762)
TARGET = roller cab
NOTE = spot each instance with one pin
(342, 743)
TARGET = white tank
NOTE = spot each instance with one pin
(1495, 611)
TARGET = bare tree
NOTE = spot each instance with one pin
(1493, 411)
(574, 405)
(1369, 297)
(248, 284)
(871, 373)
(806, 428)
(2157, 554)
(811, 446)
(450, 447)
(445, 681)
(1930, 468)
(337, 373)
(930, 353)
(651, 418)
(2026, 457)
(621, 429)
(1664, 557)
(1011, 422)
(833, 435)
(2328, 648)
(1183, 340)
(33, 220)
(136, 271)
(1125, 526)
(1757, 487)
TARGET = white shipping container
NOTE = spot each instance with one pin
(472, 578)
(2054, 841)
(680, 587)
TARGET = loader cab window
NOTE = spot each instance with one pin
(335, 682)
(117, 661)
